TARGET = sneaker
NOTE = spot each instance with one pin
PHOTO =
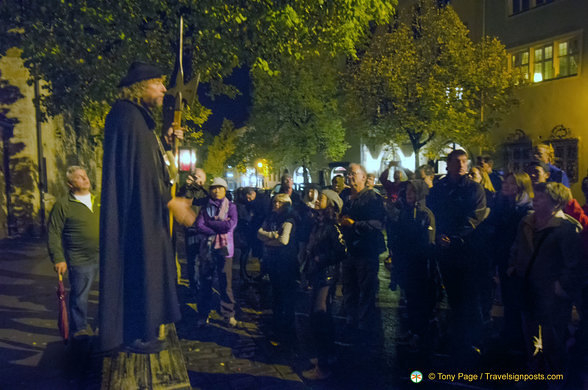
(316, 374)
(83, 333)
(332, 360)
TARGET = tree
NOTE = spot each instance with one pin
(426, 82)
(295, 114)
(221, 149)
(83, 48)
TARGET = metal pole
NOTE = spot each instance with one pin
(40, 159)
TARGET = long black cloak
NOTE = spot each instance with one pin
(137, 269)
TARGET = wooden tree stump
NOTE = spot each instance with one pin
(163, 370)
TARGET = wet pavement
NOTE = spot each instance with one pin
(33, 356)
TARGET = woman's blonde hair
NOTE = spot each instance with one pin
(548, 150)
(524, 184)
(284, 198)
(486, 183)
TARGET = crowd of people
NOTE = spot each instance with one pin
(473, 236)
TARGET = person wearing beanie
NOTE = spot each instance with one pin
(137, 267)
(412, 240)
(278, 236)
(325, 250)
(217, 221)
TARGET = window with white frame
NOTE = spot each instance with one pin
(543, 63)
(568, 57)
(520, 61)
(548, 60)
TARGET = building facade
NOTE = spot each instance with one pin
(35, 155)
(548, 41)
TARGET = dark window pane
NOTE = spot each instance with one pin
(525, 5)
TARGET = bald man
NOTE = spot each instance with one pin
(194, 189)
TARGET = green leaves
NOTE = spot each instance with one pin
(427, 81)
(222, 148)
(295, 114)
(83, 48)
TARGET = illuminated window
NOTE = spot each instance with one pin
(543, 63)
(568, 56)
(550, 60)
(520, 61)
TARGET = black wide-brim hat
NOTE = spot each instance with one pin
(139, 71)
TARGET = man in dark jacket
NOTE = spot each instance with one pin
(137, 267)
(194, 189)
(459, 205)
(258, 207)
(73, 245)
(362, 219)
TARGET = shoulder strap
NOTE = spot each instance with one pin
(168, 159)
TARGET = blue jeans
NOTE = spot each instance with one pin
(80, 283)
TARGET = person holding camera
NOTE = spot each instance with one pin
(194, 189)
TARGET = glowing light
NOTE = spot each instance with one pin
(260, 164)
(187, 160)
(537, 77)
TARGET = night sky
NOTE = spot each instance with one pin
(236, 110)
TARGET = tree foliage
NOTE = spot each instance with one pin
(83, 48)
(296, 113)
(223, 146)
(426, 82)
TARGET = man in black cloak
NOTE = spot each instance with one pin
(137, 268)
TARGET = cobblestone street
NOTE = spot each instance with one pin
(32, 355)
